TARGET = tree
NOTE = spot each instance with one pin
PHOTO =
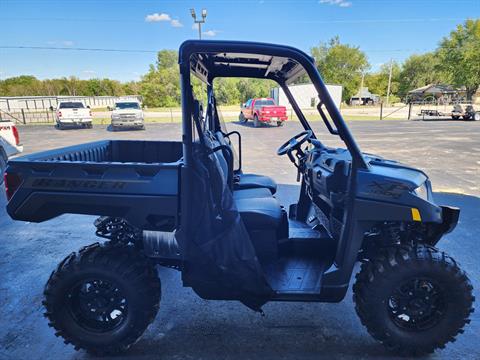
(227, 91)
(459, 55)
(167, 59)
(341, 64)
(418, 71)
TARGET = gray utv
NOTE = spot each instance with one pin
(189, 206)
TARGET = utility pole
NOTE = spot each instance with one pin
(389, 81)
(361, 87)
(199, 22)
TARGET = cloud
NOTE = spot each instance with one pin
(156, 17)
(176, 23)
(341, 3)
(162, 17)
(67, 43)
(210, 33)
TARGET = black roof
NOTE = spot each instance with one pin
(210, 59)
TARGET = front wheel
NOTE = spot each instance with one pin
(242, 118)
(476, 116)
(102, 298)
(413, 299)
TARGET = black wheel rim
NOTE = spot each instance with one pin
(97, 305)
(417, 304)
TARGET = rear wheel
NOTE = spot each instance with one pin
(466, 117)
(102, 298)
(279, 123)
(256, 122)
(455, 117)
(476, 116)
(413, 299)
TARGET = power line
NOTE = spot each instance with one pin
(77, 49)
(155, 51)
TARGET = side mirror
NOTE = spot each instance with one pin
(88, 106)
(243, 105)
(109, 108)
(52, 108)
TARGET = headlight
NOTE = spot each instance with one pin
(139, 116)
(115, 116)
(422, 191)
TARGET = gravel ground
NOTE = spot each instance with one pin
(191, 328)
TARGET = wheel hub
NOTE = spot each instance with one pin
(97, 305)
(417, 304)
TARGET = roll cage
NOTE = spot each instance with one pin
(208, 60)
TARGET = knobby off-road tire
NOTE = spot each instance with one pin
(382, 296)
(102, 298)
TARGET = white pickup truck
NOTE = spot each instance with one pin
(9, 144)
(73, 113)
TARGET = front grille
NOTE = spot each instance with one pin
(127, 116)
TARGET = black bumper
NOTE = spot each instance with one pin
(450, 217)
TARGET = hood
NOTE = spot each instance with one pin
(389, 180)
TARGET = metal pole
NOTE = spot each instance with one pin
(389, 81)
(199, 30)
(381, 110)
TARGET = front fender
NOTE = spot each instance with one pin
(450, 216)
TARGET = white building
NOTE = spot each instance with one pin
(306, 95)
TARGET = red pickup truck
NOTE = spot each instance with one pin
(263, 110)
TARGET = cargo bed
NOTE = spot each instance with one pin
(136, 180)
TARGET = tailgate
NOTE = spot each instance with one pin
(274, 110)
(75, 113)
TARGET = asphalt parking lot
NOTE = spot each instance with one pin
(190, 328)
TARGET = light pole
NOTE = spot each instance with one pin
(199, 22)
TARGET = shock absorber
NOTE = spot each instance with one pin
(392, 233)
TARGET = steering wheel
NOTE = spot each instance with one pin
(295, 142)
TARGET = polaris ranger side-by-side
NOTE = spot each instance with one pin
(188, 205)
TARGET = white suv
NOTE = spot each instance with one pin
(127, 114)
